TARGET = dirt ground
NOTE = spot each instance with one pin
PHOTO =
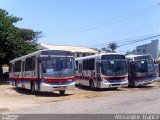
(12, 99)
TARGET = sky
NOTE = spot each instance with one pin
(88, 23)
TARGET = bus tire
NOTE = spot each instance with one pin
(62, 92)
(91, 84)
(33, 88)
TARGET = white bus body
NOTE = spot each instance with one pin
(44, 70)
(141, 70)
(156, 66)
(105, 70)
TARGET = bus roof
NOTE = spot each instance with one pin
(138, 56)
(97, 55)
(34, 53)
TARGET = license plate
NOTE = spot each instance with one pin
(62, 87)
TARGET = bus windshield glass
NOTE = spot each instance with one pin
(114, 67)
(144, 67)
(57, 66)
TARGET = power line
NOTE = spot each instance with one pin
(121, 40)
(131, 40)
(138, 40)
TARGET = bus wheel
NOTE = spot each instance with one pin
(32, 87)
(91, 83)
(62, 92)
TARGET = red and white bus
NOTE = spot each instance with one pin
(105, 70)
(44, 70)
(141, 70)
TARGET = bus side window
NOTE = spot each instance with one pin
(91, 64)
(33, 62)
(28, 64)
(23, 65)
(17, 67)
(98, 65)
(85, 64)
(13, 67)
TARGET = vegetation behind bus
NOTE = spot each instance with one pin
(14, 42)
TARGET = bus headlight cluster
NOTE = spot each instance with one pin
(104, 80)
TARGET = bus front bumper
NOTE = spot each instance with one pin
(44, 87)
(105, 84)
(145, 81)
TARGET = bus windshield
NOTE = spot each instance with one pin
(115, 67)
(57, 66)
(144, 67)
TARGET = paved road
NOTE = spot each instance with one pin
(147, 101)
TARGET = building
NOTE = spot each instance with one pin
(77, 51)
(150, 48)
(5, 68)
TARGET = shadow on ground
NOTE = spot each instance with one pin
(97, 89)
(37, 93)
(142, 87)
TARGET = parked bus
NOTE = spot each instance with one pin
(141, 70)
(44, 70)
(105, 70)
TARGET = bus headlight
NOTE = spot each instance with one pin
(125, 79)
(103, 79)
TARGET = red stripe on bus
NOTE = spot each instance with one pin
(115, 78)
(29, 79)
(85, 77)
(59, 79)
(46, 79)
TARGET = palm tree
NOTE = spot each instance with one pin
(113, 46)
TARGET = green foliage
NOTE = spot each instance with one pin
(9, 39)
(14, 42)
(113, 46)
(28, 35)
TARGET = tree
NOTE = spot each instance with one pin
(28, 35)
(12, 41)
(113, 46)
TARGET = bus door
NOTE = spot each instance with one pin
(80, 73)
(23, 73)
(97, 73)
(38, 71)
(131, 73)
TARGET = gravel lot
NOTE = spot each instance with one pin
(12, 99)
